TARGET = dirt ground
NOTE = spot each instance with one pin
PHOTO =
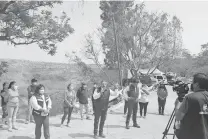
(151, 128)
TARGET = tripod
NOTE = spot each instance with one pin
(165, 133)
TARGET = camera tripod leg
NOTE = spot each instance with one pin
(165, 133)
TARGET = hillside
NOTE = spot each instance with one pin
(54, 76)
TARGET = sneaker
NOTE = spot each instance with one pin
(144, 117)
(127, 127)
(102, 135)
(14, 128)
(88, 118)
(67, 125)
(136, 125)
(95, 136)
(27, 122)
(10, 130)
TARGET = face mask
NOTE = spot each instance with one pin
(41, 91)
(15, 87)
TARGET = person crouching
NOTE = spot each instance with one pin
(41, 104)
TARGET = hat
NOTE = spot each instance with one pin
(33, 80)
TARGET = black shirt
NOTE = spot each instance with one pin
(3, 103)
(194, 124)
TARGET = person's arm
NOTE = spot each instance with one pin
(96, 95)
(145, 91)
(65, 98)
(114, 93)
(125, 95)
(180, 113)
(49, 104)
(78, 93)
(139, 91)
(34, 104)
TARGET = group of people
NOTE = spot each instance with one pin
(133, 92)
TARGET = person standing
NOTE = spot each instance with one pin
(132, 94)
(41, 104)
(69, 101)
(93, 103)
(82, 95)
(12, 105)
(193, 111)
(101, 99)
(31, 90)
(143, 101)
(162, 94)
(125, 85)
(4, 95)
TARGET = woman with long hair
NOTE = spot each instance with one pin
(41, 104)
(69, 101)
(12, 105)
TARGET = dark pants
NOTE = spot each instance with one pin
(161, 103)
(125, 107)
(132, 107)
(5, 112)
(39, 121)
(67, 111)
(100, 115)
(93, 105)
(143, 106)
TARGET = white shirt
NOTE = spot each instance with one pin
(36, 106)
(97, 95)
(125, 91)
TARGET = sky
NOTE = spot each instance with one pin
(85, 19)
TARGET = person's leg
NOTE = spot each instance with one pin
(163, 106)
(141, 108)
(46, 127)
(130, 109)
(14, 116)
(96, 120)
(125, 107)
(159, 105)
(38, 126)
(145, 109)
(87, 111)
(28, 113)
(69, 114)
(5, 113)
(135, 108)
(102, 122)
(81, 110)
(10, 114)
(66, 111)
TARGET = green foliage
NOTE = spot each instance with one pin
(27, 22)
(3, 68)
(144, 38)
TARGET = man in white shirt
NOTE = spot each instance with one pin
(101, 100)
(132, 95)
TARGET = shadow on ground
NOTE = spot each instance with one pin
(80, 135)
(19, 137)
(114, 126)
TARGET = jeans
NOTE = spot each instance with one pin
(125, 107)
(29, 113)
(100, 115)
(143, 106)
(67, 111)
(93, 106)
(161, 103)
(132, 108)
(39, 121)
(86, 109)
(12, 114)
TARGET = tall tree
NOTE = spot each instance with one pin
(27, 22)
(145, 39)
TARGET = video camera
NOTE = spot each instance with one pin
(181, 89)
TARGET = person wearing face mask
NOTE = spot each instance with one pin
(93, 102)
(192, 113)
(83, 96)
(31, 90)
(12, 105)
(41, 104)
(4, 95)
(69, 101)
(101, 97)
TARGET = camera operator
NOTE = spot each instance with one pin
(193, 113)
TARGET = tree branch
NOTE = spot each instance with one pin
(3, 10)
